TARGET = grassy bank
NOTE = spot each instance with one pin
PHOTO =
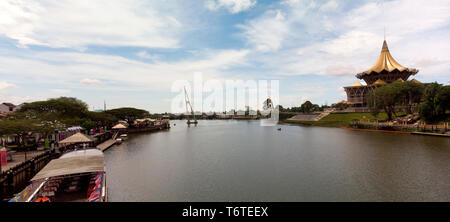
(338, 119)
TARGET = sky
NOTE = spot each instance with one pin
(129, 53)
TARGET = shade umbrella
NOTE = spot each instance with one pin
(77, 138)
(119, 126)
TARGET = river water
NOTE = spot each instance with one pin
(229, 160)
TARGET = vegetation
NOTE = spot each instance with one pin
(341, 119)
(66, 110)
(19, 128)
(436, 101)
(44, 117)
(433, 100)
(306, 107)
(129, 114)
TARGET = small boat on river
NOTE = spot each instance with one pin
(123, 136)
(77, 176)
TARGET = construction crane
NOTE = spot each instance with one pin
(188, 105)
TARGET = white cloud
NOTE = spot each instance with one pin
(78, 24)
(60, 91)
(71, 69)
(88, 81)
(342, 43)
(146, 55)
(267, 32)
(16, 99)
(329, 6)
(233, 6)
(5, 85)
(400, 17)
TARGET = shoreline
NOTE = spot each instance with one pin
(346, 127)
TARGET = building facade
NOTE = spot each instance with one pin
(6, 108)
(385, 71)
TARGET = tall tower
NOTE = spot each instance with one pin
(104, 105)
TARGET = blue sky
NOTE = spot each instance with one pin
(130, 52)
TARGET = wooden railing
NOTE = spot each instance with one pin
(16, 179)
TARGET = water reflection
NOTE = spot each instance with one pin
(243, 161)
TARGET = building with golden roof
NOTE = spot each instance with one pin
(385, 71)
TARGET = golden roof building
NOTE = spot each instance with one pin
(385, 71)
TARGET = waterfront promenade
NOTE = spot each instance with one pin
(19, 157)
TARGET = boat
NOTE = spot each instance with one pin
(77, 176)
(123, 136)
(192, 122)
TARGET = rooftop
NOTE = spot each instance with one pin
(385, 63)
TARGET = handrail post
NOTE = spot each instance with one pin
(10, 180)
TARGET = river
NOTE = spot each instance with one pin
(230, 160)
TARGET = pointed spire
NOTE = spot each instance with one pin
(385, 46)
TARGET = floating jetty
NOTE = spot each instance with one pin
(105, 145)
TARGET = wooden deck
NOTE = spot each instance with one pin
(105, 145)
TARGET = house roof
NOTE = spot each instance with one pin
(9, 104)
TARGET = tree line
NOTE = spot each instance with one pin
(306, 107)
(45, 117)
(431, 101)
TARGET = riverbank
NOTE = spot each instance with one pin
(337, 119)
(367, 122)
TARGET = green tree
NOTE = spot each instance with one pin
(306, 107)
(386, 98)
(316, 108)
(101, 118)
(88, 124)
(20, 128)
(411, 93)
(444, 98)
(58, 108)
(46, 128)
(373, 105)
(129, 114)
(435, 102)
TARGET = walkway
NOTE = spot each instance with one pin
(105, 145)
(19, 157)
(312, 116)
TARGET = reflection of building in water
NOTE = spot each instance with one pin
(386, 70)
